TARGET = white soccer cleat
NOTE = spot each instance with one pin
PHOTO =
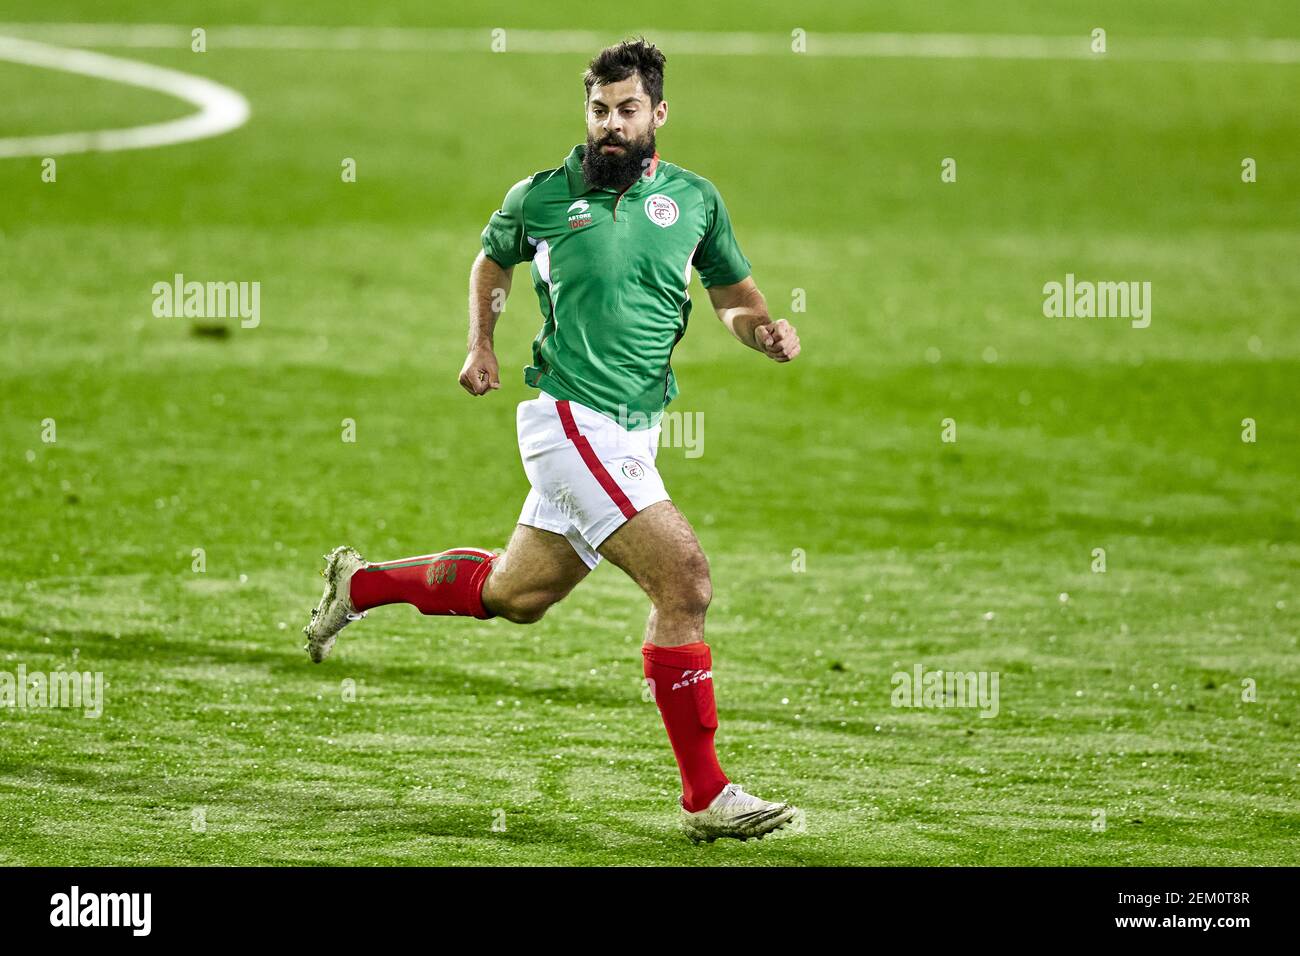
(735, 813)
(335, 610)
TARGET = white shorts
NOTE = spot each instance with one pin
(589, 474)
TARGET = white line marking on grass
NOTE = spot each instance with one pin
(860, 45)
(221, 109)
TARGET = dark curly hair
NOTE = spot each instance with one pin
(622, 60)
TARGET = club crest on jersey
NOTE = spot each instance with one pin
(633, 470)
(661, 210)
(579, 215)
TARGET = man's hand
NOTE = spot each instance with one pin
(777, 340)
(743, 310)
(478, 375)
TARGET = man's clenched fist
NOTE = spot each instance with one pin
(478, 375)
(777, 340)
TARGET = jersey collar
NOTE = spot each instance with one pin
(578, 183)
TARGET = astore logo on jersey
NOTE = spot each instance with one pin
(579, 215)
(661, 210)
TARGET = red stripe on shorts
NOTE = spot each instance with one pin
(593, 463)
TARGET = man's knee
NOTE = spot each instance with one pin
(691, 590)
(526, 608)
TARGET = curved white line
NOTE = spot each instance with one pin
(221, 109)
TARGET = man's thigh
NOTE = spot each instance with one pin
(535, 562)
(537, 512)
(658, 549)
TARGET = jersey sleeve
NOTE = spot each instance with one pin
(504, 237)
(718, 257)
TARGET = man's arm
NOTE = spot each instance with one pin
(743, 310)
(489, 286)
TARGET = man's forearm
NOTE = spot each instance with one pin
(743, 318)
(489, 286)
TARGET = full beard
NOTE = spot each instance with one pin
(616, 170)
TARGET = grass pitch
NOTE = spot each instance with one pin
(436, 741)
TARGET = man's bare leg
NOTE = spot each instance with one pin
(539, 568)
(659, 551)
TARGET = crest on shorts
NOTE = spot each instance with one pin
(633, 469)
(661, 210)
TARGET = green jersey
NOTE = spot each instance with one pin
(612, 272)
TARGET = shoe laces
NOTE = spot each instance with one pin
(733, 795)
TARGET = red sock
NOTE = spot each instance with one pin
(450, 582)
(681, 679)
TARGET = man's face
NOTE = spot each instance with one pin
(621, 124)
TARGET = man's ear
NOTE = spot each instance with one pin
(661, 113)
